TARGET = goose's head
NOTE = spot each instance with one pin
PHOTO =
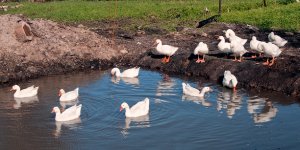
(221, 38)
(14, 88)
(227, 72)
(157, 41)
(123, 106)
(207, 89)
(56, 110)
(61, 92)
(253, 37)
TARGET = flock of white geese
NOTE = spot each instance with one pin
(236, 46)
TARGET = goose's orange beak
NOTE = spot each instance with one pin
(121, 108)
(52, 111)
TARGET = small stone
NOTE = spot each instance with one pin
(123, 51)
(80, 26)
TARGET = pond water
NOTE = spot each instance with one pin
(222, 120)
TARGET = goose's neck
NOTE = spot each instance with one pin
(222, 41)
(118, 72)
(17, 92)
(159, 46)
(127, 111)
(202, 93)
(57, 115)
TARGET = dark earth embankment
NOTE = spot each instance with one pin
(57, 49)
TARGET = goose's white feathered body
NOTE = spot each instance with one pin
(230, 34)
(237, 48)
(202, 48)
(139, 109)
(27, 92)
(224, 46)
(69, 114)
(270, 49)
(254, 44)
(129, 73)
(69, 96)
(229, 80)
(277, 40)
(167, 50)
(189, 90)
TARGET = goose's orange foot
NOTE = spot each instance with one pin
(254, 56)
(266, 63)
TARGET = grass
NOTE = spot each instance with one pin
(167, 14)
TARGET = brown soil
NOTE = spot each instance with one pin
(57, 48)
(54, 49)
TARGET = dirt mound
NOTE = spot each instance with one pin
(54, 48)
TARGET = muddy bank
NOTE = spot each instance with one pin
(52, 49)
(284, 76)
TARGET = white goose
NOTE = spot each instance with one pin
(166, 50)
(254, 46)
(229, 80)
(270, 49)
(230, 34)
(202, 48)
(139, 109)
(28, 92)
(69, 114)
(188, 90)
(238, 49)
(69, 96)
(129, 73)
(277, 40)
(224, 46)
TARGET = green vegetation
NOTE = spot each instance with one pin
(169, 13)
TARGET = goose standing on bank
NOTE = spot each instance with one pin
(69, 96)
(166, 50)
(229, 80)
(237, 49)
(224, 46)
(139, 109)
(27, 92)
(270, 49)
(129, 73)
(202, 48)
(189, 90)
(277, 40)
(69, 114)
(254, 46)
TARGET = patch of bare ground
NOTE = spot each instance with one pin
(53, 49)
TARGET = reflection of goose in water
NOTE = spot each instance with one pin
(255, 104)
(137, 122)
(68, 103)
(133, 81)
(229, 100)
(267, 113)
(197, 100)
(165, 86)
(25, 100)
(72, 124)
